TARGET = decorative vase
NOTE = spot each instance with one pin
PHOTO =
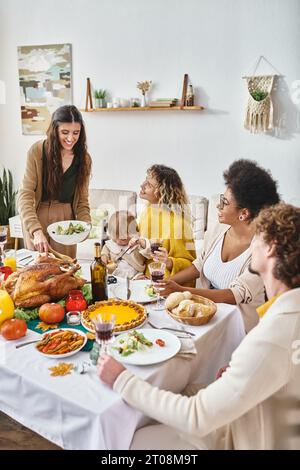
(143, 102)
(100, 103)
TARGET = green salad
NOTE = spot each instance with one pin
(133, 342)
(70, 230)
(149, 289)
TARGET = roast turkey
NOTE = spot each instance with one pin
(48, 280)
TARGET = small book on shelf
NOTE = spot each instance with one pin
(163, 103)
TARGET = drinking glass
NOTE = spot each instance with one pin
(10, 259)
(104, 326)
(3, 241)
(155, 244)
(157, 273)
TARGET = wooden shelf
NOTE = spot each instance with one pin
(146, 108)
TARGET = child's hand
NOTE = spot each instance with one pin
(104, 259)
(137, 241)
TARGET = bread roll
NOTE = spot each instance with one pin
(174, 299)
(194, 309)
(175, 311)
(187, 294)
(204, 310)
(184, 308)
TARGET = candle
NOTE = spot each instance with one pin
(73, 318)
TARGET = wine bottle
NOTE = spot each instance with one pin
(98, 276)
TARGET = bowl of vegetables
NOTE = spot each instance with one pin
(69, 232)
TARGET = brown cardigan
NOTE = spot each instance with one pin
(30, 193)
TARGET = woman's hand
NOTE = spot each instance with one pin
(168, 286)
(40, 242)
(162, 256)
(109, 369)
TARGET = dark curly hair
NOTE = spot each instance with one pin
(67, 113)
(252, 186)
(280, 225)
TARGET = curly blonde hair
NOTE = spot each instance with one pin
(170, 190)
(280, 224)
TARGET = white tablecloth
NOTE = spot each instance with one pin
(78, 411)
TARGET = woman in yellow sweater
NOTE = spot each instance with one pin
(167, 217)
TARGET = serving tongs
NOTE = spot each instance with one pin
(65, 258)
(27, 342)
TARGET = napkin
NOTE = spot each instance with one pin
(187, 350)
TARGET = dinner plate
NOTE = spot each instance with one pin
(137, 291)
(60, 356)
(150, 355)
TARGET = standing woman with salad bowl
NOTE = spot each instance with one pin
(56, 181)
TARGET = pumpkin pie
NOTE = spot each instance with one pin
(128, 314)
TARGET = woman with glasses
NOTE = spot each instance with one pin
(223, 265)
(166, 218)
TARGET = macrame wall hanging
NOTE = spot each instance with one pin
(259, 111)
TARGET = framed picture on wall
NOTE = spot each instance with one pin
(45, 77)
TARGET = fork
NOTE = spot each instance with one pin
(122, 254)
(171, 329)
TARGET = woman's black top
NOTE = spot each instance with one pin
(68, 183)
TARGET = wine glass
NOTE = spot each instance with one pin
(155, 244)
(3, 241)
(157, 272)
(104, 326)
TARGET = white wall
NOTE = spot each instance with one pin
(119, 42)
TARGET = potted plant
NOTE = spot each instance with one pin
(100, 98)
(7, 198)
(258, 95)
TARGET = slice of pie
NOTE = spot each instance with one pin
(128, 314)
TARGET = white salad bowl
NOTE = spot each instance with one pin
(72, 239)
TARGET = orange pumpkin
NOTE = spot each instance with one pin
(51, 313)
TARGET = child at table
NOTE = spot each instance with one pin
(123, 233)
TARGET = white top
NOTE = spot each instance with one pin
(220, 273)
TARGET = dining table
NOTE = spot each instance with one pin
(77, 411)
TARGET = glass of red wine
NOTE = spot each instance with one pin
(155, 245)
(3, 241)
(104, 327)
(157, 273)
